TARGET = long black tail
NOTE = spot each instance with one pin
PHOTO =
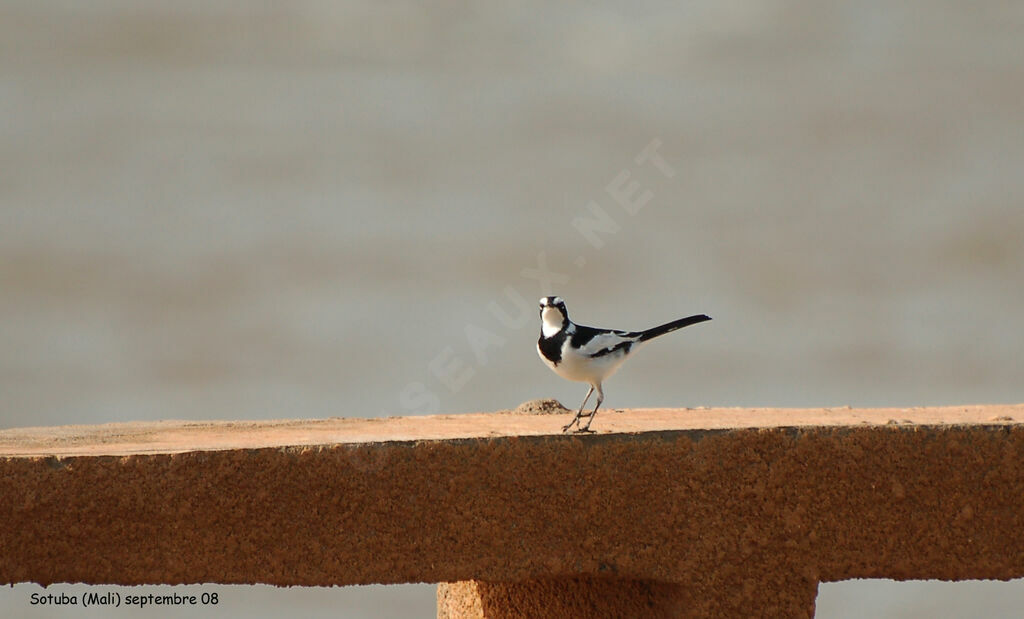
(672, 326)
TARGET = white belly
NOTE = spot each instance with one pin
(593, 370)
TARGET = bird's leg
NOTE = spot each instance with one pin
(593, 413)
(579, 413)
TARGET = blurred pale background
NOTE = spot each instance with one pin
(262, 210)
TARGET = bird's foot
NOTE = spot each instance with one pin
(583, 431)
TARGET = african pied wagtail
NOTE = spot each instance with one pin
(587, 354)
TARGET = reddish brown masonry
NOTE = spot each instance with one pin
(669, 512)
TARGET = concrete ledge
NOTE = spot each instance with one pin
(734, 511)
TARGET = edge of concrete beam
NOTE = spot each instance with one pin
(174, 436)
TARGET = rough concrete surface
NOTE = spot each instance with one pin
(732, 511)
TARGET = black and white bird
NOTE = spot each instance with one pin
(590, 355)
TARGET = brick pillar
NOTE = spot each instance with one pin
(609, 597)
(566, 597)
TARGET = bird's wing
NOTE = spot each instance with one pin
(593, 342)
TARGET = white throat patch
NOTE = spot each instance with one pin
(551, 321)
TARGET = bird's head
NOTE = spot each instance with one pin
(553, 316)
